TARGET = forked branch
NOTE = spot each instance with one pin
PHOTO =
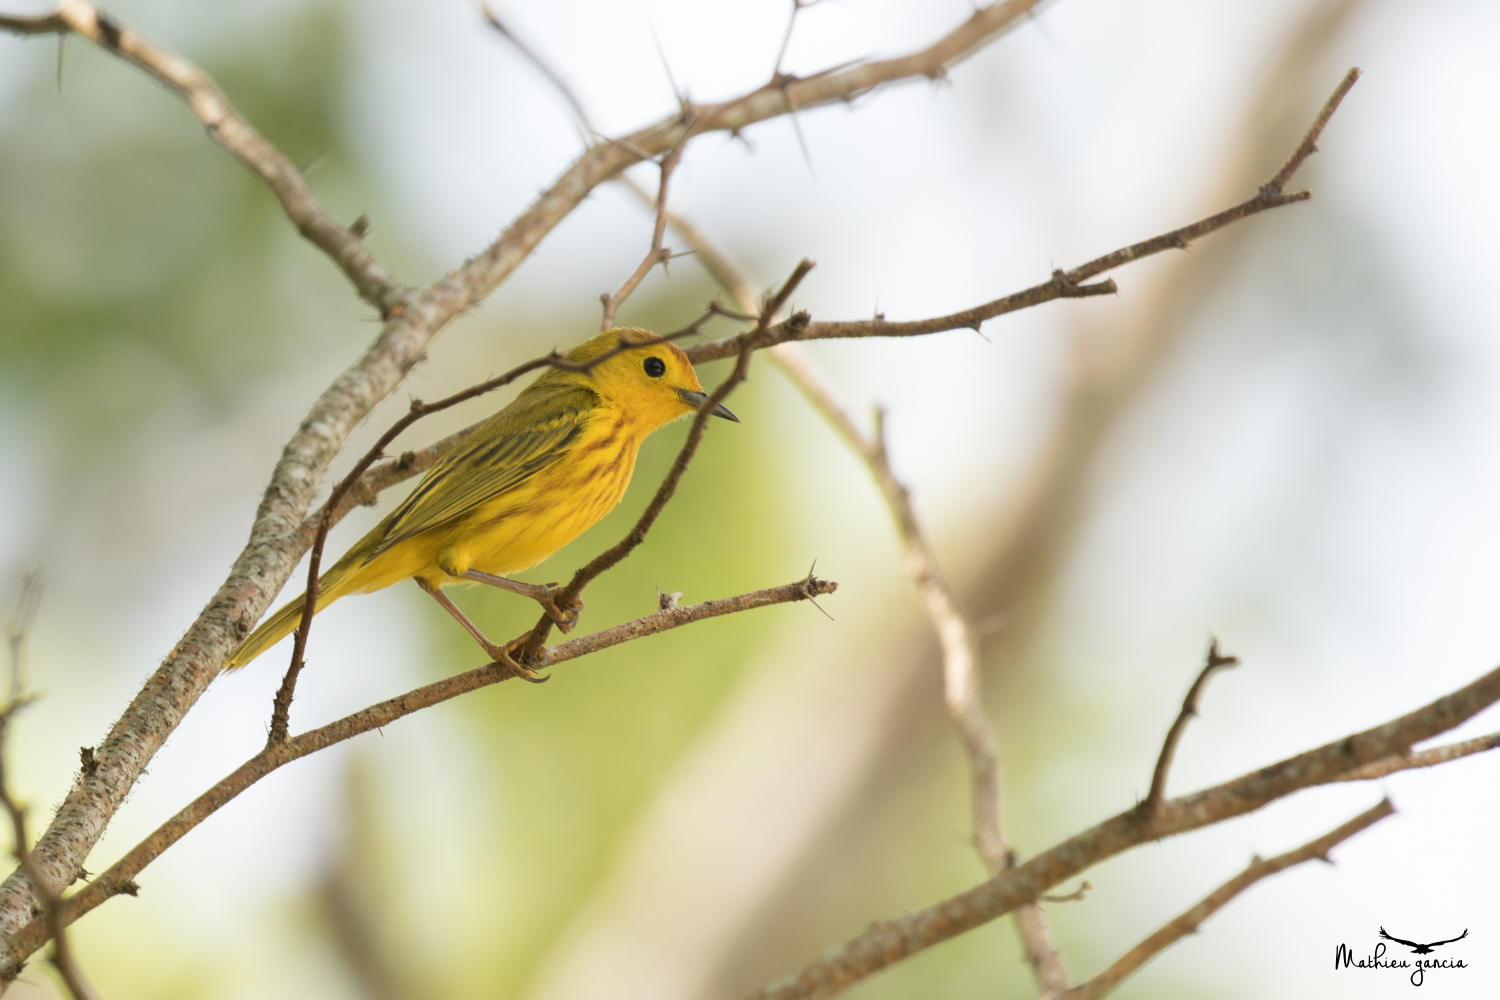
(1062, 284)
(888, 942)
(1189, 921)
(119, 877)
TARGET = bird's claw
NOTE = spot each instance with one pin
(503, 657)
(564, 618)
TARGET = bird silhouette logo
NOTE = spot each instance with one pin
(1422, 949)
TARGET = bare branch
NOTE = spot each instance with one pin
(1309, 142)
(41, 24)
(1062, 284)
(1078, 895)
(19, 628)
(541, 65)
(119, 877)
(234, 133)
(658, 254)
(1189, 921)
(956, 634)
(1214, 660)
(1422, 758)
(888, 942)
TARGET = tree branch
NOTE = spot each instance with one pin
(1062, 284)
(960, 645)
(888, 942)
(1189, 921)
(342, 245)
(119, 877)
(1214, 660)
(1422, 758)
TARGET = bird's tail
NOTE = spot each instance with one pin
(341, 579)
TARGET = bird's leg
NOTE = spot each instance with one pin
(543, 594)
(500, 654)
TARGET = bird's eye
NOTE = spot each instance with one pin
(655, 367)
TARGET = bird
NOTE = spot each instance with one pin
(1423, 949)
(526, 482)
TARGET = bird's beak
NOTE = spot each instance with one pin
(698, 398)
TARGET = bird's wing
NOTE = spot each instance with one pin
(498, 457)
(1389, 937)
(1465, 934)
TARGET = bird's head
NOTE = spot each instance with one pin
(654, 383)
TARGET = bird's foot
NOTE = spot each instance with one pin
(502, 655)
(565, 618)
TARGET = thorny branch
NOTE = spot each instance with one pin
(956, 635)
(960, 646)
(1189, 921)
(413, 319)
(343, 245)
(799, 327)
(119, 877)
(890, 941)
(1213, 660)
(1422, 758)
(1062, 284)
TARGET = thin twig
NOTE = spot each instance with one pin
(541, 65)
(1309, 144)
(888, 942)
(1062, 284)
(960, 648)
(1422, 758)
(62, 957)
(120, 876)
(658, 254)
(345, 248)
(1213, 660)
(1189, 921)
(18, 628)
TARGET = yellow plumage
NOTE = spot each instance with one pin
(529, 480)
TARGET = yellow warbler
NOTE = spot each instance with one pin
(529, 480)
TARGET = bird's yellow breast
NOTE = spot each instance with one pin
(525, 525)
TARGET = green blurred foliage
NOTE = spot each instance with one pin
(139, 263)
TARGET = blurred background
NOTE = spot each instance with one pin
(1285, 437)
